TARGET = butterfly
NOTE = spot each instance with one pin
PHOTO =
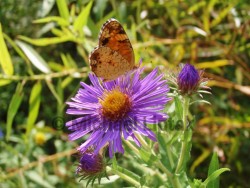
(114, 55)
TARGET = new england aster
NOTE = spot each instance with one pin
(110, 110)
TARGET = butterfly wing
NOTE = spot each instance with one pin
(114, 55)
(108, 64)
(114, 36)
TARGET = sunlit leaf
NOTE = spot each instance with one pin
(13, 107)
(5, 59)
(4, 82)
(222, 14)
(82, 19)
(34, 57)
(213, 64)
(63, 9)
(19, 52)
(56, 66)
(59, 20)
(46, 7)
(34, 104)
(66, 82)
(196, 6)
(47, 41)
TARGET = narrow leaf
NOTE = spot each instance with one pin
(5, 59)
(34, 104)
(53, 91)
(59, 20)
(82, 19)
(114, 163)
(46, 7)
(147, 157)
(128, 173)
(13, 107)
(47, 41)
(66, 82)
(19, 52)
(215, 175)
(38, 179)
(4, 82)
(213, 166)
(222, 14)
(178, 106)
(63, 9)
(34, 57)
(213, 64)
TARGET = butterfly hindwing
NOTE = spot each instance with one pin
(108, 64)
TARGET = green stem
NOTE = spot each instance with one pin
(143, 143)
(185, 141)
(124, 176)
(132, 147)
(81, 71)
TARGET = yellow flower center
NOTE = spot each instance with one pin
(115, 105)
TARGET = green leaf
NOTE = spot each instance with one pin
(63, 9)
(5, 59)
(114, 163)
(214, 175)
(38, 179)
(53, 91)
(66, 82)
(178, 107)
(34, 57)
(196, 6)
(13, 107)
(68, 61)
(213, 64)
(147, 157)
(59, 20)
(19, 52)
(47, 41)
(4, 82)
(128, 173)
(34, 104)
(213, 166)
(222, 14)
(82, 19)
(46, 7)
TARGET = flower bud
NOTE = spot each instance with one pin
(90, 165)
(188, 79)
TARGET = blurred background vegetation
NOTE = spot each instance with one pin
(44, 47)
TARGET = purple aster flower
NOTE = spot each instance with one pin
(90, 165)
(115, 109)
(188, 79)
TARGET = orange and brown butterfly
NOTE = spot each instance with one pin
(114, 55)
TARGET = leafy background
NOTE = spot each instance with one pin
(44, 47)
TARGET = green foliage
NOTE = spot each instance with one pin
(44, 54)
